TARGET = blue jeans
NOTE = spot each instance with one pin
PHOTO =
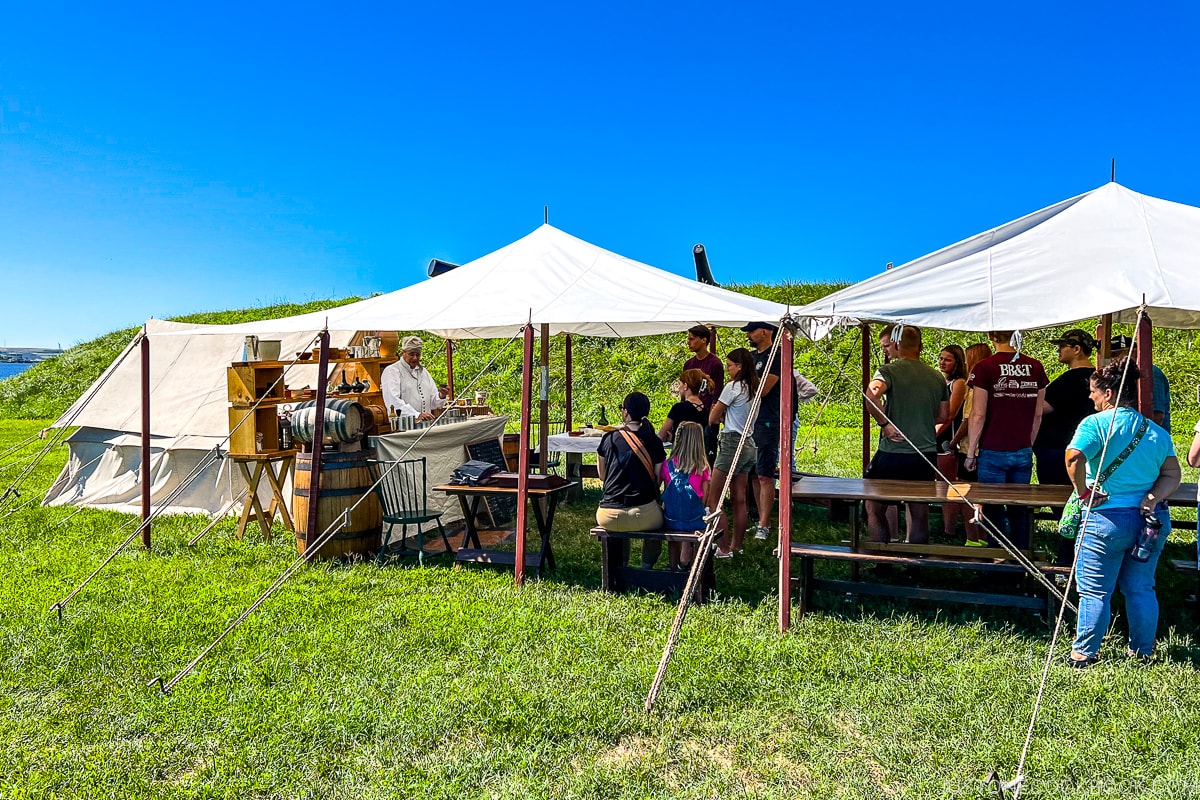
(996, 466)
(1103, 564)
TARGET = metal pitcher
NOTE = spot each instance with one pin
(250, 351)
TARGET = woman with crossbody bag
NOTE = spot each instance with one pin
(628, 460)
(1123, 533)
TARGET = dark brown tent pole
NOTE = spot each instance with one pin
(866, 381)
(314, 475)
(145, 353)
(787, 392)
(1145, 361)
(523, 456)
(569, 377)
(544, 402)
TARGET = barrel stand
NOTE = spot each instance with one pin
(276, 467)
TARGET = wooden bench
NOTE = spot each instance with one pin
(617, 577)
(1188, 567)
(808, 554)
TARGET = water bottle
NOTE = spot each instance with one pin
(1147, 539)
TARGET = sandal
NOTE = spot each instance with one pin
(1080, 663)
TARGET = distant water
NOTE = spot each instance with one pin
(8, 369)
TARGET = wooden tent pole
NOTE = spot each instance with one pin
(1145, 361)
(449, 371)
(787, 386)
(145, 354)
(523, 456)
(570, 423)
(866, 381)
(544, 402)
(311, 534)
(1104, 334)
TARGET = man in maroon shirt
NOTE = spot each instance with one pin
(1008, 390)
(701, 339)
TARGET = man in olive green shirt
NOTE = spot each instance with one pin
(908, 399)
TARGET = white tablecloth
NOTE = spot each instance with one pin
(566, 443)
(444, 447)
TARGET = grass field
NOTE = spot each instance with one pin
(365, 682)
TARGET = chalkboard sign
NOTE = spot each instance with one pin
(501, 508)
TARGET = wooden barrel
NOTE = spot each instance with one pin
(345, 477)
(344, 421)
(376, 419)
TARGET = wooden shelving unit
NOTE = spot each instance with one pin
(252, 381)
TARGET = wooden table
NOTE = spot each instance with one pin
(276, 467)
(544, 502)
(987, 560)
(893, 491)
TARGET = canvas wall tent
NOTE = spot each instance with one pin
(1105, 252)
(548, 276)
(1099, 253)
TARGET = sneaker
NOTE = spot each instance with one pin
(762, 532)
(723, 554)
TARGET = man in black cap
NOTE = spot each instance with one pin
(766, 424)
(1067, 401)
(1120, 346)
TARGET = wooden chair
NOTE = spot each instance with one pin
(553, 458)
(403, 495)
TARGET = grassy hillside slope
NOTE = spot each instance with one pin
(605, 369)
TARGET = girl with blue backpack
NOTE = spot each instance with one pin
(685, 476)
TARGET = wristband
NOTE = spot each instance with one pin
(1085, 494)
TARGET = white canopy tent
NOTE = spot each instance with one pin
(549, 277)
(1099, 253)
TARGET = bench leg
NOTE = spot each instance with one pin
(610, 563)
(806, 590)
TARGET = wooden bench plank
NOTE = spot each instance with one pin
(1185, 566)
(687, 537)
(918, 593)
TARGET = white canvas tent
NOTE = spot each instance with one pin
(548, 276)
(1099, 253)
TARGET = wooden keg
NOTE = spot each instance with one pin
(345, 477)
(344, 421)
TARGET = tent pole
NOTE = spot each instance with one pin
(570, 424)
(866, 381)
(1104, 334)
(523, 456)
(145, 353)
(311, 533)
(787, 401)
(449, 371)
(1145, 358)
(544, 402)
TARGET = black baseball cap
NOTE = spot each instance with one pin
(1120, 343)
(760, 326)
(1076, 338)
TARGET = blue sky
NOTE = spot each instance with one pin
(162, 159)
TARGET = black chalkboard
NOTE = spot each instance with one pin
(501, 508)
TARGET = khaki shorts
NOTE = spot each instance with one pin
(724, 461)
(627, 520)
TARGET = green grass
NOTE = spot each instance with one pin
(361, 682)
